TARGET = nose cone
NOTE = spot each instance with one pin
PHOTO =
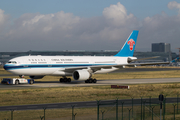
(5, 67)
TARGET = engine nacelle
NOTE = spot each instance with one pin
(81, 75)
(36, 77)
(129, 60)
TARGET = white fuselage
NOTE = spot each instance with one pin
(56, 65)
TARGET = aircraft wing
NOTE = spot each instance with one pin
(98, 67)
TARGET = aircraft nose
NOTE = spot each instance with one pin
(5, 67)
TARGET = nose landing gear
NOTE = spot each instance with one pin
(21, 76)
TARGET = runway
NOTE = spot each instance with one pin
(44, 84)
(39, 84)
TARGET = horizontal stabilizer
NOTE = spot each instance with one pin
(133, 60)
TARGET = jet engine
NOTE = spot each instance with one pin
(81, 75)
(36, 77)
(129, 60)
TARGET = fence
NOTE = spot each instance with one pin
(126, 109)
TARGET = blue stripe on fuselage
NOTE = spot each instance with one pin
(27, 66)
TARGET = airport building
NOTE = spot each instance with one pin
(161, 47)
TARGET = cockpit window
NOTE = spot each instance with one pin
(12, 62)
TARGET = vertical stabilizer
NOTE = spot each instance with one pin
(128, 48)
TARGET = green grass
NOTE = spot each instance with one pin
(72, 94)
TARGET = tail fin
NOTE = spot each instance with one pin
(128, 48)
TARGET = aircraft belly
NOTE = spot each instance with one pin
(34, 71)
(61, 73)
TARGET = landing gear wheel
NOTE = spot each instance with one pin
(61, 80)
(87, 81)
(90, 80)
(69, 80)
(94, 80)
(65, 80)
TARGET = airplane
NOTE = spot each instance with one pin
(175, 60)
(79, 67)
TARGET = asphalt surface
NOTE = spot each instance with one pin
(41, 84)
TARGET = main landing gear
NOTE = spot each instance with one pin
(68, 80)
(90, 80)
(65, 80)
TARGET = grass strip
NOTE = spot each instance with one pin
(72, 94)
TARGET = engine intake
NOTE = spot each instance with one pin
(81, 75)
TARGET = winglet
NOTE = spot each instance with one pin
(128, 48)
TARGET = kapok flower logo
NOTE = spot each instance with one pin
(131, 42)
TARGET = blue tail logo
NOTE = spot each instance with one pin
(128, 48)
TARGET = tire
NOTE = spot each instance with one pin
(65, 80)
(17, 82)
(61, 80)
(31, 82)
(94, 81)
(87, 81)
(90, 80)
(69, 80)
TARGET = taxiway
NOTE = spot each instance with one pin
(42, 84)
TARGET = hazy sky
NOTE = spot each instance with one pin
(57, 25)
